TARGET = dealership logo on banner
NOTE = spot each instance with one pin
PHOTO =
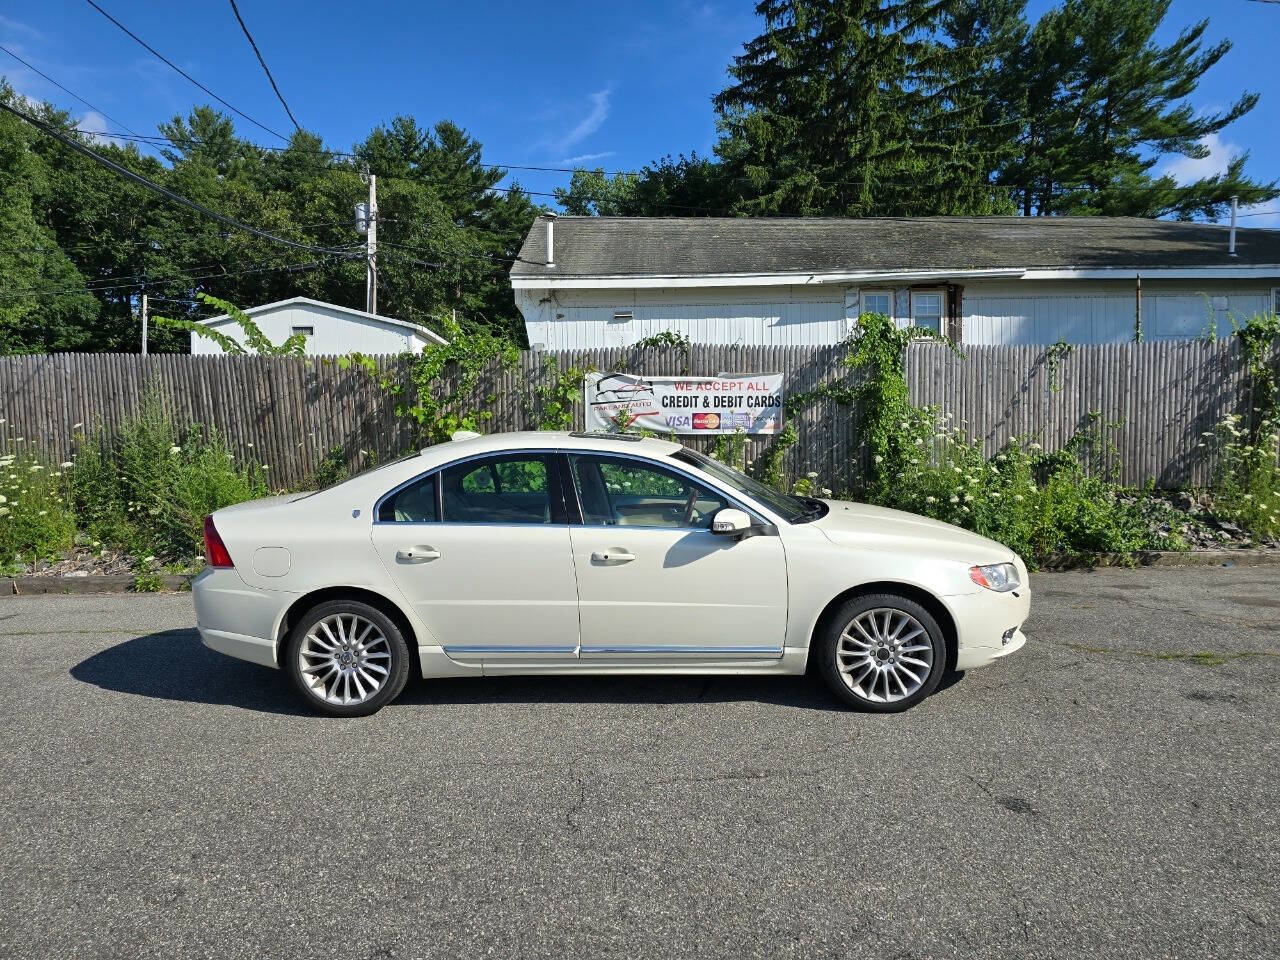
(750, 403)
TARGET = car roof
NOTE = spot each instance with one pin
(557, 439)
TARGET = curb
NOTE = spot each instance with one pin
(27, 586)
(1255, 557)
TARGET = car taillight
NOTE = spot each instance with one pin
(215, 551)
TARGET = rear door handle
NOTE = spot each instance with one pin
(419, 554)
(612, 557)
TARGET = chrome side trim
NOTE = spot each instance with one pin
(501, 648)
(681, 648)
(735, 498)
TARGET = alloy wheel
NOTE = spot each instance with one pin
(344, 659)
(884, 655)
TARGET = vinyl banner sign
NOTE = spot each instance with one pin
(696, 405)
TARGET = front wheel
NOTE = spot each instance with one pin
(882, 653)
(347, 658)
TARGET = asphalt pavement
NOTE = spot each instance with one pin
(1111, 790)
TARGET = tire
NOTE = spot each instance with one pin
(347, 644)
(871, 662)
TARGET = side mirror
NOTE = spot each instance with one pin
(730, 521)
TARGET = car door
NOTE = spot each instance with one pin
(481, 550)
(654, 581)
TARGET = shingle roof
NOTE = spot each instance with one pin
(695, 246)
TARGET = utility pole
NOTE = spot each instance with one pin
(144, 323)
(371, 248)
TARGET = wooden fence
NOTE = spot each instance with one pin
(289, 413)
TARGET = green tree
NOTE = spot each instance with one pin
(1104, 105)
(846, 107)
(31, 261)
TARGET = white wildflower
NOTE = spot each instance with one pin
(4, 511)
(147, 559)
(954, 498)
(44, 513)
(1034, 446)
(930, 499)
(879, 459)
(1017, 496)
(67, 464)
(175, 449)
(968, 498)
(77, 426)
(825, 491)
(964, 509)
(813, 475)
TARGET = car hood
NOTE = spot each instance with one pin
(862, 525)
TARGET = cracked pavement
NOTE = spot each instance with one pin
(1111, 790)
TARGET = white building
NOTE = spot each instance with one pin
(329, 329)
(765, 281)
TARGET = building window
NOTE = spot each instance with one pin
(305, 331)
(877, 301)
(926, 311)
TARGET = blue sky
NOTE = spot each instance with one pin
(608, 84)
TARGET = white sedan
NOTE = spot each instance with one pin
(558, 553)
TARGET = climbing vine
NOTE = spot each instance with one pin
(1054, 355)
(443, 378)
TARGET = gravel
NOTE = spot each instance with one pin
(1109, 790)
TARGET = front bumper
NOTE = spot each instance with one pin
(237, 619)
(982, 619)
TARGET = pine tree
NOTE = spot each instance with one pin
(848, 107)
(1105, 105)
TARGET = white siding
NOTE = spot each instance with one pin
(995, 312)
(336, 332)
(1101, 313)
(779, 318)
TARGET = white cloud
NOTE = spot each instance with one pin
(16, 26)
(1188, 169)
(587, 157)
(595, 118)
(95, 124)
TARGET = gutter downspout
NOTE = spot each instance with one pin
(1137, 311)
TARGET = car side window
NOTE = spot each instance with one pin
(509, 488)
(615, 491)
(414, 503)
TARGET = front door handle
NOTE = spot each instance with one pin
(612, 556)
(419, 554)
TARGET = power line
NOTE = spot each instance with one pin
(265, 69)
(158, 55)
(157, 188)
(70, 93)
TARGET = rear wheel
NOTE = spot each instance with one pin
(347, 658)
(882, 653)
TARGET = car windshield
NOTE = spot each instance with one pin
(792, 509)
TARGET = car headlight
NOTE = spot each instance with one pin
(1001, 577)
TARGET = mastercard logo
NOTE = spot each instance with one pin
(706, 421)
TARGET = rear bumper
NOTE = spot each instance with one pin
(237, 619)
